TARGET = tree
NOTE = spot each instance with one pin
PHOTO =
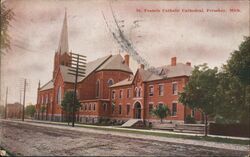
(6, 16)
(239, 63)
(200, 91)
(234, 89)
(67, 103)
(30, 110)
(161, 111)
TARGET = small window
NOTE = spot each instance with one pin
(120, 94)
(150, 108)
(128, 93)
(128, 109)
(139, 92)
(93, 107)
(113, 108)
(174, 109)
(113, 94)
(86, 107)
(104, 107)
(89, 106)
(151, 90)
(175, 89)
(161, 90)
(97, 88)
(110, 82)
(136, 92)
(120, 109)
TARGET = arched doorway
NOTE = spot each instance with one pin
(137, 110)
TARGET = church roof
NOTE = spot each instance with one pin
(110, 62)
(115, 63)
(63, 46)
(48, 85)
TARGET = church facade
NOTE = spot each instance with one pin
(111, 91)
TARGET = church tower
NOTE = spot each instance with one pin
(62, 55)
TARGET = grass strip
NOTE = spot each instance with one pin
(200, 138)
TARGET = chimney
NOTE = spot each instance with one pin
(173, 61)
(142, 66)
(188, 63)
(126, 59)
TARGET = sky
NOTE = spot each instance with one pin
(197, 37)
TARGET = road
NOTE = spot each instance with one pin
(32, 140)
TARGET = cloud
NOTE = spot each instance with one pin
(199, 38)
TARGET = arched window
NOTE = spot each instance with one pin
(59, 96)
(97, 88)
(139, 92)
(136, 92)
(41, 99)
(110, 82)
(47, 99)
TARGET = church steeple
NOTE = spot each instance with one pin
(63, 42)
(62, 55)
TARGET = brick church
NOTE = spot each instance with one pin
(110, 90)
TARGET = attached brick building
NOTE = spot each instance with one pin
(110, 90)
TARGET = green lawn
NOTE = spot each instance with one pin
(213, 139)
(202, 138)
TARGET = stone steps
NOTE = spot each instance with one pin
(130, 123)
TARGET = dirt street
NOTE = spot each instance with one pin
(25, 139)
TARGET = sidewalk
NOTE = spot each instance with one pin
(139, 130)
(88, 129)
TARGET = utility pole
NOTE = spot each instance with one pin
(6, 102)
(24, 99)
(78, 68)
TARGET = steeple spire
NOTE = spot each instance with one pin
(63, 42)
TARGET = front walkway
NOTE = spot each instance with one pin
(111, 130)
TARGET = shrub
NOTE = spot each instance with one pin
(190, 120)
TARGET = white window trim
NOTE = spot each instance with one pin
(161, 84)
(121, 93)
(172, 108)
(129, 89)
(176, 89)
(149, 90)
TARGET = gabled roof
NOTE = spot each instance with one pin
(179, 69)
(147, 75)
(110, 62)
(167, 71)
(115, 63)
(127, 81)
(48, 85)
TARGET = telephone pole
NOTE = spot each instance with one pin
(78, 67)
(6, 102)
(24, 99)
